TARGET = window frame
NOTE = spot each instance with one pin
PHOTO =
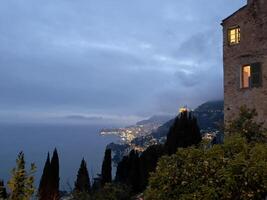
(237, 35)
(242, 77)
(252, 73)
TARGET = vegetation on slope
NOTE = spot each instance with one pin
(184, 168)
(236, 169)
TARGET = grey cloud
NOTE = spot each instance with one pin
(110, 57)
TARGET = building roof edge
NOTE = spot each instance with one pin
(240, 9)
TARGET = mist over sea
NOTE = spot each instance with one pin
(73, 142)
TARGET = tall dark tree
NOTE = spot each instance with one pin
(183, 133)
(44, 186)
(128, 171)
(49, 183)
(54, 176)
(148, 163)
(82, 183)
(122, 173)
(134, 171)
(106, 173)
(3, 193)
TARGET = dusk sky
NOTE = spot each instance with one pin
(111, 58)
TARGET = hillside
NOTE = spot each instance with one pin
(209, 116)
(140, 129)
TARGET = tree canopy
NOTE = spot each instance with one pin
(82, 183)
(21, 184)
(235, 170)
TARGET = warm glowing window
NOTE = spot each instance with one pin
(234, 35)
(246, 74)
(251, 76)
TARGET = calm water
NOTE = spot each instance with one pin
(72, 141)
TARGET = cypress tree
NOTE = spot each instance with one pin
(3, 193)
(82, 183)
(122, 172)
(134, 171)
(54, 176)
(106, 176)
(44, 186)
(128, 171)
(148, 162)
(183, 133)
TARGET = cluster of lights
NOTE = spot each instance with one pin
(184, 109)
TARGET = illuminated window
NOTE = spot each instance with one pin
(234, 35)
(246, 74)
(251, 76)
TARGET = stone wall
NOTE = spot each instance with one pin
(252, 20)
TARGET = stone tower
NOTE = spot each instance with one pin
(245, 60)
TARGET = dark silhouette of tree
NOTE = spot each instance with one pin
(49, 183)
(122, 172)
(82, 183)
(148, 162)
(134, 171)
(3, 193)
(183, 133)
(44, 186)
(54, 176)
(106, 176)
(128, 171)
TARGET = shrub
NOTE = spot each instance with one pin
(235, 170)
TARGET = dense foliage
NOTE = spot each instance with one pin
(236, 170)
(21, 183)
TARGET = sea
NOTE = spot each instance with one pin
(73, 142)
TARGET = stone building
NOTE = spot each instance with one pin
(245, 60)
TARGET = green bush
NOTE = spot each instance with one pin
(236, 170)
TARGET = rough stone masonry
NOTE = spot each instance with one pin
(245, 60)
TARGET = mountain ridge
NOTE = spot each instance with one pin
(209, 116)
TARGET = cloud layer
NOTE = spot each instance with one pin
(130, 58)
